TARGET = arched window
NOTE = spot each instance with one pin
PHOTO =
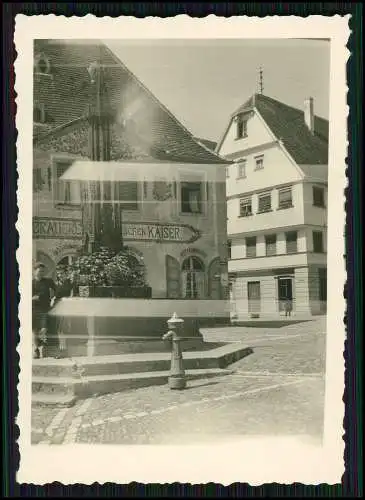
(193, 278)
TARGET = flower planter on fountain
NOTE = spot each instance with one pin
(112, 310)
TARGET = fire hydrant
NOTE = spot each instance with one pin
(177, 378)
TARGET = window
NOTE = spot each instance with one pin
(270, 242)
(265, 202)
(241, 169)
(259, 162)
(38, 181)
(193, 278)
(245, 207)
(38, 113)
(227, 172)
(251, 247)
(291, 242)
(241, 128)
(65, 192)
(42, 65)
(127, 195)
(318, 196)
(191, 197)
(318, 242)
(285, 198)
(229, 248)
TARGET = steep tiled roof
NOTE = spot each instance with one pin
(209, 144)
(66, 95)
(288, 125)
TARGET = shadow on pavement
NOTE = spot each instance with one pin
(269, 324)
(197, 386)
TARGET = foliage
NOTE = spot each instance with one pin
(123, 269)
(102, 268)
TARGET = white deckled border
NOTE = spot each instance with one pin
(280, 459)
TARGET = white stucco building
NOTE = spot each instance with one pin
(277, 208)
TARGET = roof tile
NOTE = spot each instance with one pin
(288, 125)
(67, 94)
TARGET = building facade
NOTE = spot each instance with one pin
(276, 208)
(173, 222)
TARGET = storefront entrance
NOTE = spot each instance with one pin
(285, 292)
(254, 297)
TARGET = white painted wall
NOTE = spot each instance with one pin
(257, 134)
(277, 218)
(314, 215)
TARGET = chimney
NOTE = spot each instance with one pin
(309, 114)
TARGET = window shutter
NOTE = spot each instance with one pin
(128, 195)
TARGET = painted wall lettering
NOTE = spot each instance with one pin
(69, 229)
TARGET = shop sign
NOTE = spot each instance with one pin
(69, 229)
(162, 233)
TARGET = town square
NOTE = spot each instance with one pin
(180, 278)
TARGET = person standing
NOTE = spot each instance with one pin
(43, 297)
(288, 307)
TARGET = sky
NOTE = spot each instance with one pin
(202, 82)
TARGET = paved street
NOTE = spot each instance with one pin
(279, 389)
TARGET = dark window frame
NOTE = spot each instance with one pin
(241, 164)
(318, 201)
(270, 244)
(245, 202)
(268, 208)
(283, 205)
(64, 164)
(241, 128)
(259, 159)
(291, 238)
(251, 249)
(187, 187)
(318, 241)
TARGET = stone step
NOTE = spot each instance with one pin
(56, 400)
(62, 391)
(138, 363)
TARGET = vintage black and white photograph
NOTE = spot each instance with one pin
(178, 241)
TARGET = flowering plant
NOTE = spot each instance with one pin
(102, 268)
(123, 269)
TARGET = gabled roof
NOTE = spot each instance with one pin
(67, 94)
(288, 125)
(207, 143)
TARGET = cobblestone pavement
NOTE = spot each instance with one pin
(279, 389)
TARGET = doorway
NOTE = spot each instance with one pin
(323, 289)
(254, 297)
(285, 292)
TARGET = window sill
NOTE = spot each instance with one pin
(264, 211)
(68, 206)
(285, 208)
(191, 213)
(319, 206)
(241, 177)
(244, 216)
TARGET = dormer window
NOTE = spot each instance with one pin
(241, 124)
(42, 65)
